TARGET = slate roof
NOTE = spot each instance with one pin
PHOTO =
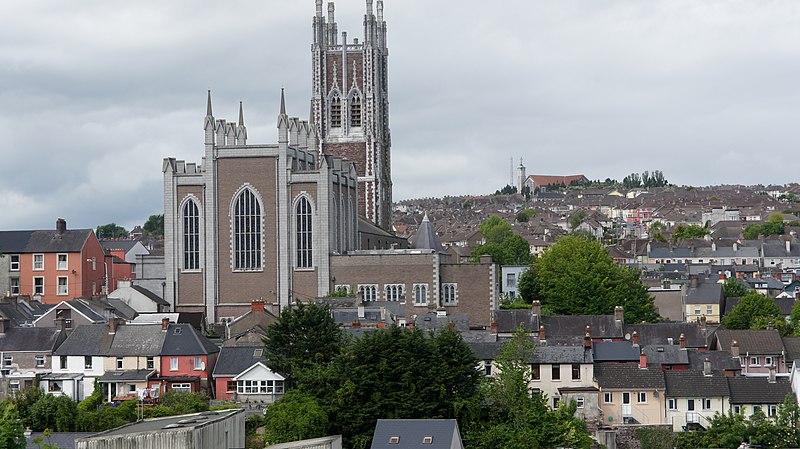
(183, 339)
(72, 240)
(628, 375)
(720, 360)
(792, 346)
(666, 355)
(603, 326)
(561, 354)
(141, 340)
(660, 333)
(758, 390)
(155, 298)
(426, 237)
(705, 293)
(751, 341)
(779, 250)
(87, 340)
(30, 339)
(670, 253)
(431, 321)
(233, 360)
(509, 320)
(14, 242)
(615, 351)
(122, 310)
(693, 383)
(15, 315)
(486, 350)
(411, 433)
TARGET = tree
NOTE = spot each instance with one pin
(184, 402)
(12, 432)
(111, 231)
(576, 276)
(296, 416)
(301, 338)
(773, 226)
(683, 231)
(734, 288)
(154, 226)
(525, 215)
(505, 247)
(54, 412)
(577, 219)
(632, 181)
(750, 306)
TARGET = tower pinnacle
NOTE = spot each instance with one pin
(208, 106)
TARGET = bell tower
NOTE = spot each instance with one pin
(350, 106)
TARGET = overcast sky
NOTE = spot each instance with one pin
(95, 93)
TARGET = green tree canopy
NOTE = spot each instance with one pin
(301, 338)
(505, 247)
(734, 288)
(576, 276)
(683, 231)
(773, 226)
(155, 226)
(111, 231)
(12, 432)
(751, 306)
(296, 416)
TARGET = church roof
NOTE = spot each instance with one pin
(426, 237)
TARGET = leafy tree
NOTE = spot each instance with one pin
(576, 276)
(773, 226)
(296, 416)
(632, 181)
(750, 306)
(44, 441)
(525, 215)
(23, 400)
(505, 247)
(527, 286)
(183, 402)
(54, 412)
(301, 338)
(734, 288)
(111, 231)
(577, 219)
(507, 190)
(683, 231)
(155, 226)
(12, 432)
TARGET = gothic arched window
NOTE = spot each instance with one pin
(336, 111)
(246, 232)
(304, 233)
(355, 110)
(191, 236)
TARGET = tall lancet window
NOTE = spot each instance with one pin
(191, 236)
(355, 110)
(336, 111)
(247, 232)
(304, 233)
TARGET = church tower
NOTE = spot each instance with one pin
(350, 106)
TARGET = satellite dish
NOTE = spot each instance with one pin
(627, 336)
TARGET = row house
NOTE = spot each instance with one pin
(757, 350)
(26, 354)
(241, 374)
(54, 264)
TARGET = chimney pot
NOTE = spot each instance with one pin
(635, 338)
(642, 360)
(257, 306)
(587, 341)
(735, 349)
(682, 341)
(707, 366)
(112, 326)
(619, 314)
(61, 226)
(164, 323)
(536, 308)
(542, 336)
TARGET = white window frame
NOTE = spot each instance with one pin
(173, 364)
(772, 410)
(13, 285)
(420, 295)
(14, 262)
(705, 403)
(754, 361)
(120, 362)
(181, 387)
(150, 362)
(641, 397)
(304, 233)
(65, 290)
(88, 362)
(8, 360)
(198, 363)
(40, 361)
(768, 361)
(38, 265)
(13, 385)
(697, 310)
(247, 245)
(608, 397)
(709, 310)
(62, 266)
(369, 292)
(450, 294)
(394, 292)
(342, 287)
(38, 289)
(672, 404)
(580, 401)
(55, 383)
(190, 235)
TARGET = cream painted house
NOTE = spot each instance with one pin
(693, 397)
(631, 394)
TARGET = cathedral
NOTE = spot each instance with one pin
(308, 215)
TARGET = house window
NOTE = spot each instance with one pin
(555, 403)
(756, 409)
(355, 110)
(672, 404)
(182, 387)
(40, 361)
(706, 404)
(449, 294)
(14, 385)
(131, 388)
(576, 371)
(62, 361)
(87, 362)
(368, 292)
(772, 410)
(642, 397)
(38, 262)
(511, 280)
(62, 262)
(342, 288)
(54, 386)
(119, 362)
(198, 363)
(336, 111)
(697, 310)
(7, 361)
(420, 294)
(14, 286)
(191, 236)
(536, 372)
(580, 401)
(556, 372)
(303, 222)
(768, 361)
(230, 386)
(63, 288)
(247, 232)
(487, 368)
(753, 361)
(259, 387)
(14, 259)
(173, 364)
(38, 285)
(737, 409)
(393, 292)
(151, 363)
(709, 310)
(608, 397)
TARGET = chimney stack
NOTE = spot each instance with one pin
(619, 314)
(589, 330)
(4, 325)
(257, 306)
(735, 349)
(703, 322)
(693, 280)
(682, 341)
(542, 336)
(788, 247)
(587, 341)
(61, 226)
(536, 307)
(494, 327)
(635, 338)
(642, 360)
(60, 324)
(356, 324)
(772, 376)
(164, 324)
(707, 367)
(112, 326)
